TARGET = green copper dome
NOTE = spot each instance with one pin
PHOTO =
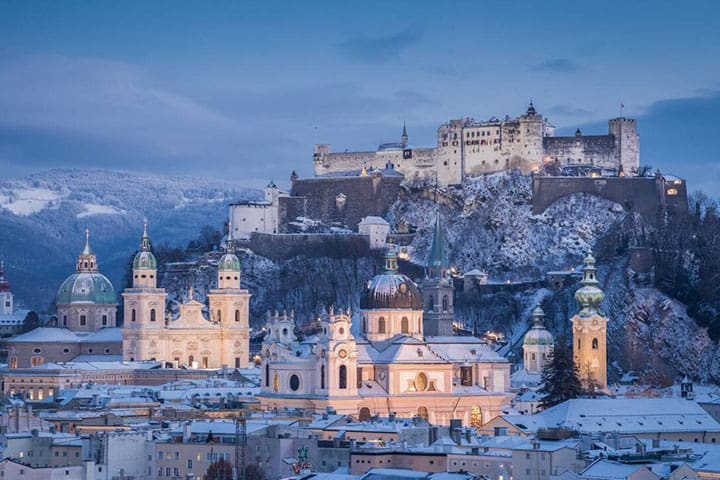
(229, 262)
(538, 334)
(145, 260)
(589, 296)
(85, 287)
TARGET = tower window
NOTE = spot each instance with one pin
(83, 320)
(219, 315)
(342, 377)
(445, 303)
(364, 325)
(104, 320)
(579, 344)
(64, 320)
(132, 315)
(404, 325)
(267, 374)
(381, 325)
(237, 315)
(322, 376)
(152, 315)
(595, 343)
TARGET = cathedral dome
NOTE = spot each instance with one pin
(391, 289)
(86, 287)
(538, 334)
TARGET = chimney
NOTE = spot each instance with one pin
(456, 430)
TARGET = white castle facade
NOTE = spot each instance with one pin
(467, 147)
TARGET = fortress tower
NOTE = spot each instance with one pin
(627, 143)
(590, 330)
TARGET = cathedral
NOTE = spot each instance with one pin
(191, 340)
(381, 359)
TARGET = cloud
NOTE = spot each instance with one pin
(569, 111)
(557, 65)
(380, 48)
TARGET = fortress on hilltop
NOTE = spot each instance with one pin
(467, 147)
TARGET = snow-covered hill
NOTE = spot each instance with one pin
(43, 217)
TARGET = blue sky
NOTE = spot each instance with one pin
(242, 90)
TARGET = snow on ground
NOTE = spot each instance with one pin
(26, 201)
(95, 209)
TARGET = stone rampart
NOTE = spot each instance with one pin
(651, 197)
(284, 246)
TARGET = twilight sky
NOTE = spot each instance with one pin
(242, 90)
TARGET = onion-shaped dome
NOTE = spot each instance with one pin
(589, 296)
(229, 261)
(144, 259)
(86, 287)
(391, 289)
(538, 334)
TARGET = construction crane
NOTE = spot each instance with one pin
(240, 444)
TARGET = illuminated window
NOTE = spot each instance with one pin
(672, 191)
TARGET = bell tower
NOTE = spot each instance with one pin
(144, 303)
(590, 330)
(437, 289)
(229, 307)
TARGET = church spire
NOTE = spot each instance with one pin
(404, 137)
(589, 296)
(145, 245)
(87, 250)
(437, 261)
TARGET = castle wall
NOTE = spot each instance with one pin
(597, 150)
(649, 196)
(414, 163)
(284, 246)
(346, 200)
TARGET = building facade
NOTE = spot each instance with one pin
(379, 361)
(467, 147)
(191, 339)
(12, 319)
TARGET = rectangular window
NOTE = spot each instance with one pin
(189, 463)
(104, 320)
(83, 320)
(237, 362)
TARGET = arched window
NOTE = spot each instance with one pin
(445, 303)
(381, 325)
(430, 304)
(422, 412)
(191, 359)
(152, 314)
(404, 325)
(237, 315)
(342, 377)
(364, 414)
(13, 362)
(595, 344)
(132, 315)
(219, 315)
(276, 382)
(267, 374)
(322, 376)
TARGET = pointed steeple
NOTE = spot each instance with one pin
(145, 245)
(437, 261)
(404, 137)
(87, 250)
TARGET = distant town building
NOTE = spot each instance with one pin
(377, 230)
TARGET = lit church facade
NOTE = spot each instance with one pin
(191, 340)
(379, 361)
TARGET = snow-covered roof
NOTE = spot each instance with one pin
(104, 335)
(47, 334)
(628, 415)
(463, 348)
(15, 318)
(610, 470)
(373, 220)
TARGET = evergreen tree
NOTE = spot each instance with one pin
(560, 377)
